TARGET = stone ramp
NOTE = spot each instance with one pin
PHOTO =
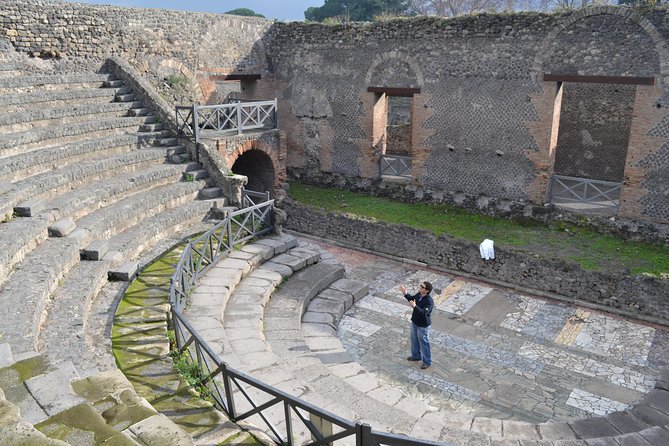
(46, 405)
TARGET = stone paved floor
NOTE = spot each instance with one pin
(497, 352)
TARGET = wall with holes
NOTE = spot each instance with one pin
(482, 123)
(485, 130)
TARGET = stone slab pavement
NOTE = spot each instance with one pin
(496, 352)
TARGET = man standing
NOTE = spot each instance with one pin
(422, 305)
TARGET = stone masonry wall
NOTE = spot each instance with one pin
(481, 114)
(644, 297)
(594, 131)
(149, 39)
(481, 110)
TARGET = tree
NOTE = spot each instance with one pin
(452, 8)
(246, 12)
(356, 10)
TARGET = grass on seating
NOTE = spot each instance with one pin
(590, 249)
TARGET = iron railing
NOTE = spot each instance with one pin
(241, 396)
(234, 117)
(251, 198)
(591, 193)
(399, 166)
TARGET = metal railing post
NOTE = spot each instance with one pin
(238, 107)
(196, 133)
(363, 434)
(276, 114)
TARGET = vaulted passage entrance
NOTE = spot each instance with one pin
(257, 166)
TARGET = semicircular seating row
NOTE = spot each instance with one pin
(91, 189)
(278, 322)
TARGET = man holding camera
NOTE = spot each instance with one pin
(422, 304)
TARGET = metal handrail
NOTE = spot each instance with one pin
(230, 388)
(234, 116)
(600, 193)
(395, 165)
(251, 197)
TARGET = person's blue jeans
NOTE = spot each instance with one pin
(420, 343)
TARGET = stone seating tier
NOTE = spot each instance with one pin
(89, 174)
(41, 404)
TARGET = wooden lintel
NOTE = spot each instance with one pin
(624, 80)
(390, 91)
(234, 77)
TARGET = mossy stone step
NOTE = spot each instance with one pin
(15, 431)
(11, 382)
(82, 425)
(141, 348)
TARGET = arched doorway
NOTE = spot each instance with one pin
(257, 166)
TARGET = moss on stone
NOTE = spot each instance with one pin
(25, 369)
(141, 347)
(81, 424)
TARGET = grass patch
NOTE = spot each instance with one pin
(189, 370)
(591, 250)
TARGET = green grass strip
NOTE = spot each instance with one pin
(590, 249)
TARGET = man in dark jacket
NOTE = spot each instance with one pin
(422, 305)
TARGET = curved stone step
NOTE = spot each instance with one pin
(238, 337)
(105, 222)
(11, 102)
(103, 193)
(25, 292)
(17, 238)
(50, 184)
(134, 240)
(28, 141)
(101, 409)
(15, 167)
(14, 430)
(25, 120)
(21, 84)
(139, 337)
(61, 337)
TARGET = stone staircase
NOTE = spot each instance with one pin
(92, 187)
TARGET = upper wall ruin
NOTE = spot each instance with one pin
(493, 97)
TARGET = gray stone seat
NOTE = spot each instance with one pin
(92, 196)
(133, 240)
(107, 221)
(52, 183)
(41, 82)
(76, 320)
(43, 404)
(34, 279)
(19, 166)
(55, 135)
(23, 120)
(12, 102)
(17, 238)
(25, 292)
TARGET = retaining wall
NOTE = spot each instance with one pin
(637, 296)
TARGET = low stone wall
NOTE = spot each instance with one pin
(636, 296)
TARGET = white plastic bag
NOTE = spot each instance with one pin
(487, 249)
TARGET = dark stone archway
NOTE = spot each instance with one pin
(257, 166)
